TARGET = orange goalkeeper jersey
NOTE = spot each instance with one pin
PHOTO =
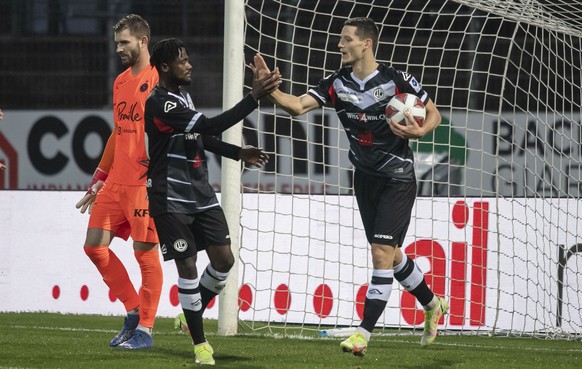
(130, 161)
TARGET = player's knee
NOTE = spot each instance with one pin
(223, 266)
(221, 258)
(96, 253)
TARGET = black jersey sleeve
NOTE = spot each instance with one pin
(217, 146)
(406, 83)
(172, 114)
(323, 92)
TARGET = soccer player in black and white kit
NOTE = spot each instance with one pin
(182, 202)
(384, 179)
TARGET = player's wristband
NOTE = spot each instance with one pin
(99, 178)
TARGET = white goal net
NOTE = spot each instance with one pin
(496, 225)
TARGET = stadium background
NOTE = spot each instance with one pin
(59, 54)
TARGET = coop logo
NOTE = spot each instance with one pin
(180, 245)
(8, 175)
(466, 258)
(363, 117)
(169, 105)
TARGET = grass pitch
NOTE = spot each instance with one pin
(43, 340)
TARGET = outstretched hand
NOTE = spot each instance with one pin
(261, 65)
(264, 81)
(253, 156)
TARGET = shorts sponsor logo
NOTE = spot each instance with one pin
(140, 213)
(384, 236)
(180, 245)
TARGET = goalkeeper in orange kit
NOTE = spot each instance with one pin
(117, 198)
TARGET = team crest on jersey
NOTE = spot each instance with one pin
(144, 87)
(180, 245)
(378, 93)
(169, 105)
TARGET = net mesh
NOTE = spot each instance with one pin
(496, 222)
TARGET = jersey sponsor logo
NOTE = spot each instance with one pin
(130, 114)
(366, 139)
(378, 93)
(349, 96)
(169, 105)
(363, 117)
(383, 236)
(180, 245)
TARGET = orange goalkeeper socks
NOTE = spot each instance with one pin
(114, 275)
(151, 285)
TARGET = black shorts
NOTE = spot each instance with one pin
(385, 207)
(183, 235)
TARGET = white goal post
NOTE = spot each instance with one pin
(497, 222)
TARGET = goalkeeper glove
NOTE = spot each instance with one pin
(87, 201)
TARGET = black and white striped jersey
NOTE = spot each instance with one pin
(360, 106)
(176, 136)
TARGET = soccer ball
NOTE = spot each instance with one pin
(405, 103)
(180, 323)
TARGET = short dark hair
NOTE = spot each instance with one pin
(136, 25)
(365, 28)
(166, 51)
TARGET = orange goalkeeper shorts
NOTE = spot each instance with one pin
(124, 211)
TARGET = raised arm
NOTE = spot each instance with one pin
(294, 105)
